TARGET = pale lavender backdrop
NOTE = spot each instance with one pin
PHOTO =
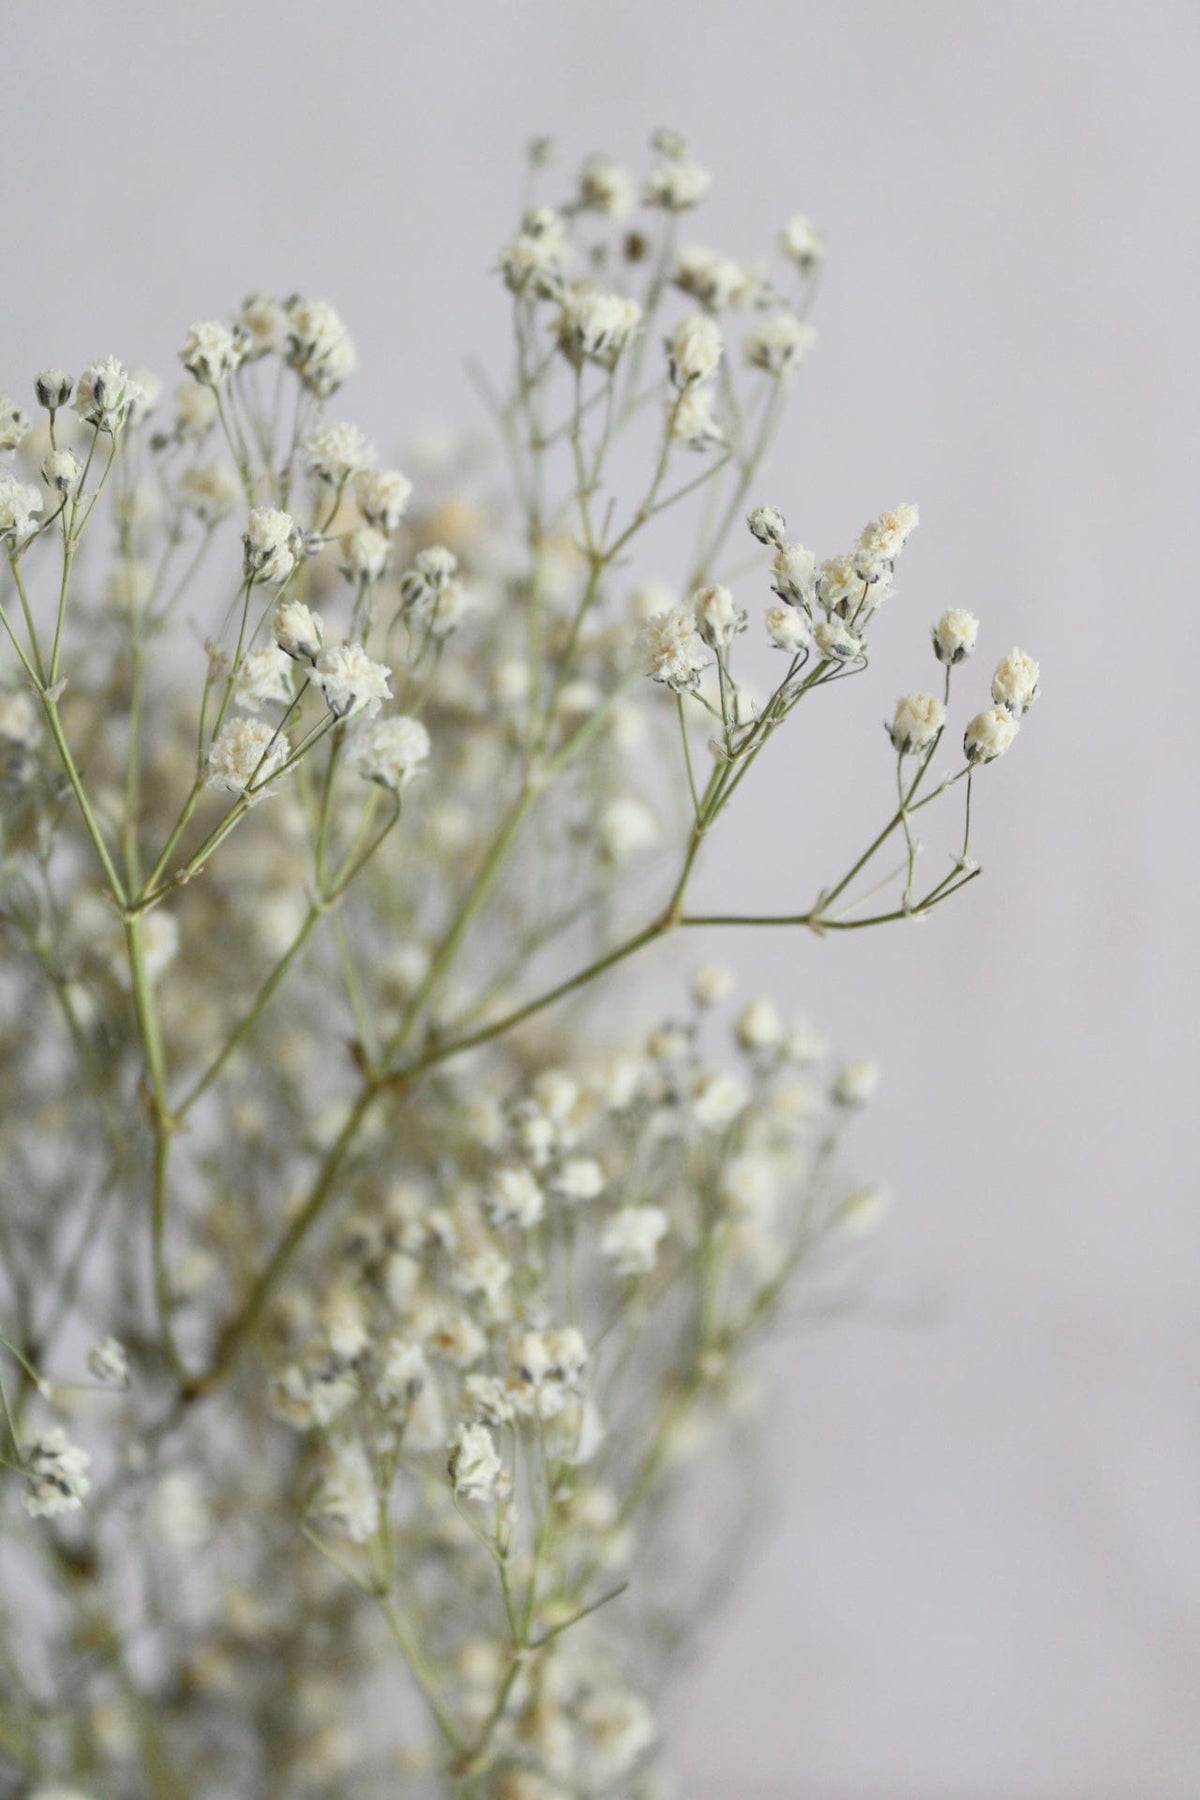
(986, 1578)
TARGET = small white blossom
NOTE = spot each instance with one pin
(779, 344)
(346, 1494)
(954, 635)
(475, 1465)
(19, 504)
(210, 490)
(716, 281)
(195, 412)
(263, 322)
(514, 1197)
(578, 1179)
(270, 542)
(718, 1100)
(596, 327)
(694, 350)
(768, 525)
(605, 187)
(711, 983)
(802, 244)
(18, 717)
(382, 496)
(245, 755)
(626, 827)
(885, 537)
(53, 388)
(350, 681)
(391, 751)
(840, 587)
(264, 679)
(693, 420)
(13, 424)
(106, 395)
(534, 265)
(672, 649)
(837, 642)
(211, 352)
(57, 1474)
(759, 1027)
(676, 184)
(335, 453)
(856, 1083)
(318, 346)
(794, 575)
(989, 734)
(1015, 683)
(917, 721)
(631, 1238)
(366, 556)
(298, 632)
(108, 1362)
(788, 628)
(718, 617)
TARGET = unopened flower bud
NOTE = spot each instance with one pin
(53, 388)
(694, 350)
(270, 542)
(299, 633)
(768, 525)
(954, 635)
(61, 471)
(794, 575)
(718, 619)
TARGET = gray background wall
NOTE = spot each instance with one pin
(986, 1578)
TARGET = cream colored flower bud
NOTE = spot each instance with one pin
(694, 350)
(837, 642)
(718, 618)
(918, 720)
(788, 628)
(61, 471)
(989, 735)
(53, 388)
(794, 575)
(1015, 683)
(298, 632)
(768, 525)
(955, 635)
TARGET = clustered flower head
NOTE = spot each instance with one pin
(391, 751)
(108, 396)
(595, 326)
(350, 681)
(317, 345)
(212, 352)
(56, 1473)
(271, 542)
(245, 756)
(672, 649)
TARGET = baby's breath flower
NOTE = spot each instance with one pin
(298, 632)
(676, 184)
(1015, 683)
(836, 641)
(605, 187)
(779, 344)
(53, 388)
(367, 552)
(718, 617)
(270, 541)
(768, 525)
(335, 453)
(802, 244)
(631, 1237)
(195, 412)
(788, 628)
(391, 751)
(885, 537)
(382, 497)
(318, 346)
(346, 1494)
(351, 682)
(211, 352)
(106, 395)
(716, 281)
(693, 420)
(210, 490)
(61, 471)
(580, 1178)
(856, 1083)
(514, 1197)
(711, 983)
(954, 635)
(108, 1363)
(19, 503)
(13, 424)
(989, 734)
(264, 679)
(672, 650)
(264, 323)
(840, 588)
(794, 575)
(759, 1026)
(474, 1465)
(18, 717)
(57, 1473)
(918, 720)
(596, 327)
(245, 755)
(626, 827)
(534, 266)
(694, 350)
(717, 1101)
